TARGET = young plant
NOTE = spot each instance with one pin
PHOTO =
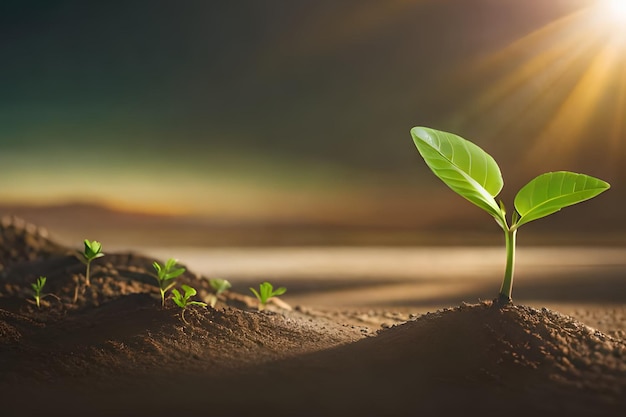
(219, 285)
(93, 250)
(475, 175)
(38, 291)
(183, 300)
(266, 291)
(165, 275)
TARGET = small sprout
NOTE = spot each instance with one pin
(38, 289)
(219, 285)
(92, 251)
(266, 291)
(182, 300)
(165, 276)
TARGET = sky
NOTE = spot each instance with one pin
(301, 109)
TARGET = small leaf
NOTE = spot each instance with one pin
(550, 192)
(279, 291)
(189, 291)
(156, 266)
(178, 299)
(256, 294)
(219, 285)
(266, 291)
(171, 262)
(197, 303)
(463, 166)
(174, 273)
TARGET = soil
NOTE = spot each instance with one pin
(115, 351)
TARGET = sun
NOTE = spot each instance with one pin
(613, 12)
(617, 8)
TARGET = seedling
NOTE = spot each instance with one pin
(219, 285)
(475, 175)
(266, 291)
(183, 300)
(92, 251)
(38, 289)
(165, 276)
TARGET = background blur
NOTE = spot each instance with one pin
(221, 123)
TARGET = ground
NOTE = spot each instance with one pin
(115, 351)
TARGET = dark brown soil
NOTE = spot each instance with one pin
(117, 352)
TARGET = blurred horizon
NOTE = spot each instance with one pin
(280, 115)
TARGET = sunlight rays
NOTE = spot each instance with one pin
(563, 86)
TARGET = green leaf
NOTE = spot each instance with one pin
(174, 273)
(462, 166)
(197, 303)
(279, 291)
(156, 266)
(256, 294)
(171, 262)
(550, 192)
(189, 291)
(219, 285)
(178, 299)
(92, 250)
(266, 291)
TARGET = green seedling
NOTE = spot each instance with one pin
(219, 285)
(266, 291)
(92, 251)
(183, 300)
(475, 175)
(38, 289)
(165, 275)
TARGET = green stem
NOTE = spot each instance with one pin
(87, 275)
(507, 284)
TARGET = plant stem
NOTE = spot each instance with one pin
(87, 284)
(507, 284)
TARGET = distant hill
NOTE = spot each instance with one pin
(455, 223)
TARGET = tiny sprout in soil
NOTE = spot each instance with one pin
(266, 291)
(38, 289)
(219, 285)
(475, 175)
(165, 276)
(183, 300)
(92, 251)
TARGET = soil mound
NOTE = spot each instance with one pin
(115, 351)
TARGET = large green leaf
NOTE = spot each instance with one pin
(462, 166)
(550, 192)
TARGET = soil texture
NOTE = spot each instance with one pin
(116, 351)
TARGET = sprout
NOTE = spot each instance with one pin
(266, 291)
(165, 276)
(92, 251)
(38, 289)
(182, 300)
(219, 285)
(475, 175)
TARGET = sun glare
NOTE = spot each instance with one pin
(616, 9)
(565, 83)
(612, 13)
